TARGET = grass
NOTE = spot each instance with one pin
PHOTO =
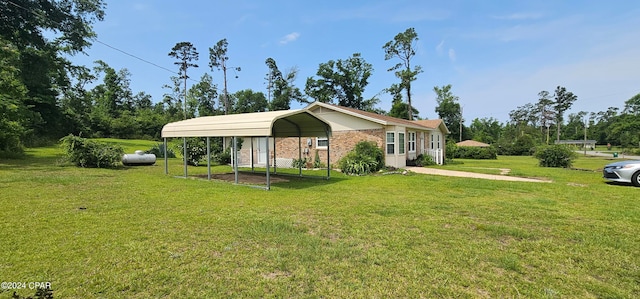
(134, 232)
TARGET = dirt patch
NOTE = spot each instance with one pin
(245, 178)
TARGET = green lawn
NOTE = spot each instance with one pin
(134, 232)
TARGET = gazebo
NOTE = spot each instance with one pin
(273, 124)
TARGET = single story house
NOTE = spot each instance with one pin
(400, 139)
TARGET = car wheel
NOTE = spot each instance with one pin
(635, 179)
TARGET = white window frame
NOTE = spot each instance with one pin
(318, 139)
(411, 142)
(432, 140)
(391, 142)
(402, 146)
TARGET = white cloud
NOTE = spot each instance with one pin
(440, 47)
(452, 55)
(520, 16)
(140, 7)
(293, 36)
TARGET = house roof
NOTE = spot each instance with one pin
(434, 124)
(472, 143)
(383, 119)
(285, 123)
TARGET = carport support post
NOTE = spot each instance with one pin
(166, 166)
(184, 146)
(328, 156)
(235, 158)
(268, 171)
(299, 155)
(251, 156)
(275, 161)
(208, 158)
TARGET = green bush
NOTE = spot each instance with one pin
(299, 163)
(158, 150)
(196, 150)
(524, 146)
(316, 161)
(425, 160)
(365, 158)
(555, 156)
(472, 152)
(87, 153)
(223, 157)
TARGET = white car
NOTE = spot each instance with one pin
(623, 172)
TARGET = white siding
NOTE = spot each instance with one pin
(344, 122)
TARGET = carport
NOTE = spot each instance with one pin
(273, 124)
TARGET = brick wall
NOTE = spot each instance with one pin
(341, 143)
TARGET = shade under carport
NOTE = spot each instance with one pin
(286, 123)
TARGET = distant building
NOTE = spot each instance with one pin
(578, 143)
(472, 143)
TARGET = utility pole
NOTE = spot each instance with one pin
(586, 125)
(461, 124)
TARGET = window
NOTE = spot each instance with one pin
(391, 137)
(401, 144)
(411, 142)
(433, 141)
(322, 142)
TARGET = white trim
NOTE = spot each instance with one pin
(387, 143)
(411, 141)
(321, 147)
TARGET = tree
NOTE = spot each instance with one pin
(204, 95)
(281, 87)
(42, 32)
(249, 101)
(76, 101)
(544, 108)
(12, 110)
(344, 80)
(402, 47)
(185, 52)
(171, 101)
(632, 105)
(399, 110)
(448, 109)
(563, 100)
(486, 130)
(218, 59)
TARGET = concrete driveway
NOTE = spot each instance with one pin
(464, 174)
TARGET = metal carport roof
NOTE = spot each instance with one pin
(286, 123)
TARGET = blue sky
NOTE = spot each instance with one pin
(497, 54)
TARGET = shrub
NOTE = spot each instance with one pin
(425, 160)
(196, 150)
(87, 153)
(222, 158)
(158, 150)
(299, 163)
(316, 161)
(470, 152)
(555, 156)
(365, 158)
(524, 146)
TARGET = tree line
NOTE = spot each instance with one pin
(43, 96)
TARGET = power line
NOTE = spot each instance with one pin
(136, 57)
